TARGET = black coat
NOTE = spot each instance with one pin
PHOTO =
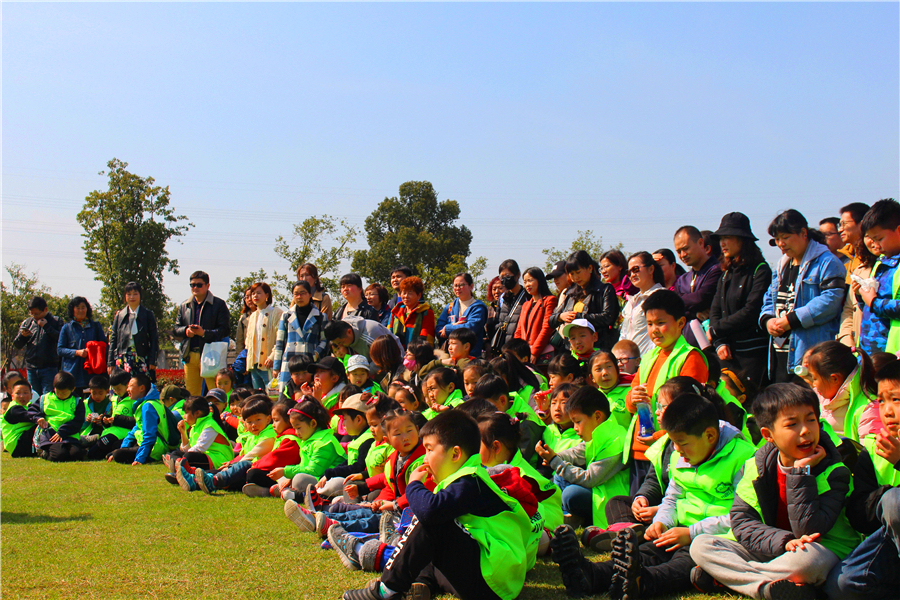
(146, 341)
(864, 503)
(214, 319)
(734, 314)
(40, 346)
(601, 309)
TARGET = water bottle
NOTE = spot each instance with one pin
(645, 420)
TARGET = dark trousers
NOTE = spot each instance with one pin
(663, 573)
(259, 477)
(103, 447)
(64, 452)
(198, 460)
(126, 456)
(24, 447)
(442, 556)
(618, 510)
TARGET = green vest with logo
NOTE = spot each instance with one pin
(160, 446)
(91, 407)
(121, 407)
(11, 432)
(505, 539)
(617, 408)
(58, 412)
(353, 446)
(558, 440)
(550, 514)
(606, 441)
(377, 457)
(885, 472)
(219, 453)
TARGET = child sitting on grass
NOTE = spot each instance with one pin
(148, 439)
(594, 467)
(559, 434)
(520, 382)
(787, 517)
(15, 424)
(299, 376)
(96, 406)
(704, 473)
(120, 420)
(59, 416)
(872, 570)
(468, 537)
(359, 374)
(443, 389)
(225, 381)
(603, 370)
(319, 449)
(493, 389)
(203, 441)
(329, 379)
(286, 451)
(471, 374)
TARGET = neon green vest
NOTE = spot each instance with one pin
(557, 440)
(520, 405)
(90, 408)
(390, 465)
(606, 441)
(841, 539)
(729, 398)
(453, 400)
(160, 446)
(893, 339)
(505, 540)
(617, 408)
(885, 472)
(858, 402)
(319, 452)
(550, 514)
(121, 406)
(708, 489)
(655, 455)
(353, 446)
(219, 453)
(331, 399)
(251, 440)
(58, 412)
(377, 457)
(11, 432)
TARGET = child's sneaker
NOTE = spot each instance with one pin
(565, 553)
(187, 481)
(345, 546)
(322, 524)
(312, 500)
(169, 461)
(204, 480)
(255, 491)
(418, 591)
(626, 560)
(372, 591)
(785, 589)
(706, 583)
(291, 494)
(299, 516)
(171, 478)
(387, 531)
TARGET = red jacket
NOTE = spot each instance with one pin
(396, 493)
(534, 323)
(287, 453)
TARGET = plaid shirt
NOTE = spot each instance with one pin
(295, 338)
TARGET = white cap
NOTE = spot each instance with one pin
(576, 323)
(357, 361)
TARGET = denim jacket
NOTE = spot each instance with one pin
(818, 300)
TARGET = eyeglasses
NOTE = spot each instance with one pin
(197, 285)
(635, 270)
(457, 286)
(625, 359)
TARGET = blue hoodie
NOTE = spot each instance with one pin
(150, 423)
(876, 320)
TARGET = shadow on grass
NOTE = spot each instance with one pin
(13, 518)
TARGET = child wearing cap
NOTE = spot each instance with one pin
(360, 375)
(582, 336)
(173, 398)
(329, 379)
(219, 398)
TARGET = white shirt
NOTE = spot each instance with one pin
(634, 322)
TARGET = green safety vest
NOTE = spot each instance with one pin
(219, 453)
(121, 407)
(453, 400)
(178, 407)
(841, 539)
(251, 440)
(885, 472)
(655, 455)
(58, 412)
(377, 457)
(558, 440)
(729, 398)
(353, 446)
(88, 409)
(617, 408)
(505, 540)
(520, 405)
(321, 444)
(281, 438)
(391, 464)
(708, 488)
(11, 432)
(550, 514)
(331, 399)
(160, 446)
(828, 430)
(606, 441)
(856, 405)
(893, 339)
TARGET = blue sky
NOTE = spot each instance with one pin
(540, 119)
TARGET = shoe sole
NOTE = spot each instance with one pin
(626, 561)
(198, 478)
(565, 552)
(785, 589)
(603, 542)
(182, 482)
(307, 499)
(255, 491)
(171, 478)
(292, 511)
(322, 525)
(348, 562)
(418, 591)
(170, 463)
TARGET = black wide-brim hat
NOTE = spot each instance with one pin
(736, 224)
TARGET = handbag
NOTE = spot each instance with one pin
(213, 358)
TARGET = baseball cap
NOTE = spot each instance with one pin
(577, 323)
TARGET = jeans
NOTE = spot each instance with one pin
(41, 380)
(361, 520)
(873, 569)
(233, 477)
(578, 501)
(259, 378)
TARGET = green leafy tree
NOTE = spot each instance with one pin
(126, 229)
(235, 300)
(23, 286)
(417, 230)
(586, 241)
(310, 244)
(439, 283)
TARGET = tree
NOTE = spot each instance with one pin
(14, 306)
(235, 301)
(418, 231)
(126, 229)
(439, 283)
(586, 241)
(312, 235)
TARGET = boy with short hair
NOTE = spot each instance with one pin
(594, 467)
(788, 523)
(468, 537)
(297, 367)
(16, 426)
(118, 422)
(628, 355)
(582, 336)
(148, 439)
(493, 389)
(708, 464)
(459, 347)
(880, 324)
(96, 406)
(872, 570)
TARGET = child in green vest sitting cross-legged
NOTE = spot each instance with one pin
(493, 388)
(59, 416)
(203, 441)
(468, 537)
(788, 523)
(148, 439)
(285, 452)
(96, 406)
(17, 427)
(704, 472)
(118, 422)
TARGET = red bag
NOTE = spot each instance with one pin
(95, 363)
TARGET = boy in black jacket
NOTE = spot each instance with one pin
(788, 512)
(873, 569)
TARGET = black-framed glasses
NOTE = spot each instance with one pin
(197, 285)
(624, 359)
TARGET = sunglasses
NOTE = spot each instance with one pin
(197, 285)
(635, 270)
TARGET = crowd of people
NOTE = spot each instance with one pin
(728, 426)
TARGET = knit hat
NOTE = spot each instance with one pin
(736, 224)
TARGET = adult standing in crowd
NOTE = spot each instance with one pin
(733, 317)
(397, 275)
(355, 303)
(514, 296)
(534, 321)
(697, 286)
(320, 299)
(828, 227)
(494, 296)
(647, 277)
(665, 259)
(466, 311)
(134, 337)
(412, 319)
(247, 308)
(589, 298)
(356, 334)
(201, 318)
(614, 270)
(867, 253)
(39, 335)
(802, 306)
(378, 298)
(851, 216)
(559, 277)
(74, 337)
(260, 335)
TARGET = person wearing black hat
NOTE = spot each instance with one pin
(734, 330)
(329, 380)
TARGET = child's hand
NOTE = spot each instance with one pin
(387, 505)
(376, 505)
(306, 390)
(647, 441)
(56, 438)
(354, 477)
(419, 474)
(276, 473)
(321, 483)
(674, 538)
(887, 447)
(181, 426)
(136, 464)
(317, 389)
(352, 491)
(439, 407)
(42, 423)
(868, 295)
(800, 543)
(365, 505)
(544, 452)
(106, 420)
(813, 460)
(642, 511)
(542, 399)
(639, 394)
(654, 531)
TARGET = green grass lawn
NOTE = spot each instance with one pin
(107, 531)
